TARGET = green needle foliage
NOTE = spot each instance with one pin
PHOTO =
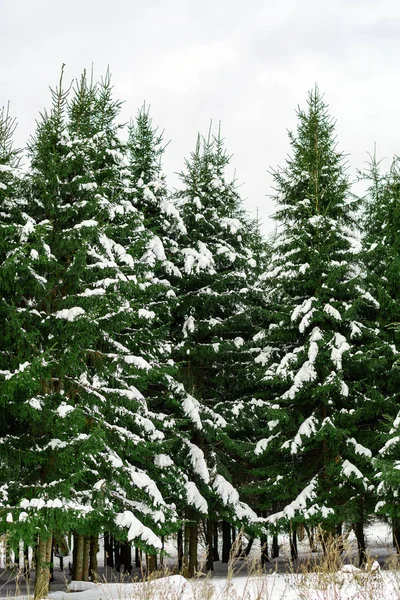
(322, 353)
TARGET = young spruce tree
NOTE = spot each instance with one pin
(322, 353)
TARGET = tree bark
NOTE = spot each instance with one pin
(293, 545)
(79, 545)
(396, 533)
(74, 556)
(264, 550)
(311, 538)
(275, 546)
(215, 542)
(109, 549)
(51, 562)
(226, 541)
(209, 543)
(151, 563)
(362, 550)
(162, 552)
(93, 564)
(86, 557)
(190, 564)
(179, 540)
(247, 550)
(43, 556)
(125, 557)
(193, 563)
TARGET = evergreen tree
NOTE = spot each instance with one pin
(150, 194)
(382, 262)
(87, 440)
(211, 318)
(321, 352)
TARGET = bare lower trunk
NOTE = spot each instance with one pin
(209, 541)
(190, 564)
(215, 542)
(396, 533)
(43, 556)
(109, 550)
(275, 546)
(248, 547)
(362, 550)
(264, 550)
(193, 564)
(179, 541)
(293, 545)
(79, 548)
(151, 563)
(226, 541)
(162, 552)
(86, 557)
(311, 538)
(93, 565)
(125, 557)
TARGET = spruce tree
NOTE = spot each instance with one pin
(382, 262)
(321, 352)
(163, 253)
(211, 319)
(87, 440)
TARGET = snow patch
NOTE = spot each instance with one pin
(70, 314)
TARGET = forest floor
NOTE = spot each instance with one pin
(281, 579)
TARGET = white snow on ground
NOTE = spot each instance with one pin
(280, 582)
(351, 584)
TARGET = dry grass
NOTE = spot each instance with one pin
(331, 577)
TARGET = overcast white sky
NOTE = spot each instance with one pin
(248, 64)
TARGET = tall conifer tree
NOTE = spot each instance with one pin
(211, 318)
(322, 354)
(382, 263)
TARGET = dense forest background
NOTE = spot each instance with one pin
(166, 368)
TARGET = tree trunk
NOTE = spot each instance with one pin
(109, 550)
(125, 557)
(362, 550)
(247, 550)
(226, 541)
(79, 545)
(86, 556)
(93, 565)
(396, 533)
(117, 553)
(162, 552)
(311, 538)
(190, 564)
(74, 556)
(137, 558)
(193, 564)
(215, 542)
(209, 543)
(233, 535)
(43, 555)
(179, 541)
(275, 546)
(264, 550)
(52, 562)
(238, 541)
(151, 563)
(293, 545)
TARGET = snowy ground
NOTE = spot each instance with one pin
(282, 581)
